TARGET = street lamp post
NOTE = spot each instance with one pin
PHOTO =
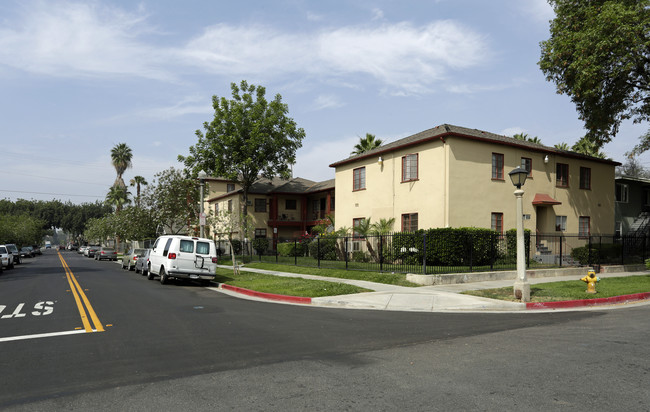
(202, 176)
(521, 287)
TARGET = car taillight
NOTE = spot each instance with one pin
(135, 258)
(215, 260)
(171, 256)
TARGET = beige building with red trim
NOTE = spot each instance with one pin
(452, 176)
(280, 209)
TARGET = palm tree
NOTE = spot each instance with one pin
(365, 229)
(524, 137)
(121, 156)
(589, 148)
(383, 227)
(562, 146)
(366, 144)
(137, 181)
(117, 197)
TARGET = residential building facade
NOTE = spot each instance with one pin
(452, 176)
(279, 209)
(632, 196)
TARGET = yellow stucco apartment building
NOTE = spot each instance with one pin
(452, 176)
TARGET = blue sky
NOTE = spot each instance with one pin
(78, 78)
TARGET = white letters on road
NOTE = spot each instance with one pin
(40, 308)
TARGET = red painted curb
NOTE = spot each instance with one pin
(588, 302)
(272, 296)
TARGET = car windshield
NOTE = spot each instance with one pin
(3, 249)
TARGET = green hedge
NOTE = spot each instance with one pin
(291, 249)
(323, 248)
(606, 253)
(453, 246)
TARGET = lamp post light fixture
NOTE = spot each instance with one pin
(202, 176)
(521, 287)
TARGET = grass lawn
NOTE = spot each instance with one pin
(573, 290)
(398, 279)
(284, 285)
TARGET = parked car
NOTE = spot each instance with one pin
(130, 257)
(26, 252)
(142, 264)
(36, 250)
(81, 249)
(15, 254)
(5, 258)
(107, 253)
(90, 251)
(183, 257)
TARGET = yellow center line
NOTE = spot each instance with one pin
(80, 296)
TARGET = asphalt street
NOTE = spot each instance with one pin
(185, 346)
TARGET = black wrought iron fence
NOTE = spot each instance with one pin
(433, 252)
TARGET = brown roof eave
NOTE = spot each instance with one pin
(446, 134)
(390, 149)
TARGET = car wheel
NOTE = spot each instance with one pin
(123, 267)
(130, 267)
(11, 265)
(163, 277)
(136, 270)
(149, 274)
(144, 272)
(19, 260)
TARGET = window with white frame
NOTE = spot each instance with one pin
(622, 192)
(560, 223)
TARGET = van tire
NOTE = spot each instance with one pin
(164, 279)
(149, 274)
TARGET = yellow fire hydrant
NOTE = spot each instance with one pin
(591, 280)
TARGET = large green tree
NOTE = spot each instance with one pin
(248, 137)
(121, 156)
(172, 199)
(599, 54)
(366, 144)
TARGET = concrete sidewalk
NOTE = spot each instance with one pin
(441, 298)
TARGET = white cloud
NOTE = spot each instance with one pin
(89, 39)
(73, 39)
(511, 131)
(327, 102)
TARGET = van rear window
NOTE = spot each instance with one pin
(187, 246)
(203, 248)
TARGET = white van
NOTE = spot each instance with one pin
(182, 257)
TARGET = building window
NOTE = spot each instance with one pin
(230, 187)
(622, 193)
(290, 204)
(497, 166)
(230, 205)
(260, 233)
(355, 225)
(260, 205)
(618, 229)
(560, 223)
(585, 178)
(527, 165)
(359, 176)
(332, 203)
(562, 175)
(409, 222)
(497, 222)
(583, 226)
(409, 167)
(216, 208)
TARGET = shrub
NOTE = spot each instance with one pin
(323, 248)
(606, 253)
(236, 246)
(359, 256)
(446, 246)
(289, 249)
(260, 245)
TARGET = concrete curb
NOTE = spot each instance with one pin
(588, 302)
(270, 296)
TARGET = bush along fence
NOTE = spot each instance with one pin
(445, 250)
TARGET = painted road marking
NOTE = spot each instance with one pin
(81, 300)
(42, 335)
(83, 305)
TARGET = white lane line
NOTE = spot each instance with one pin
(42, 335)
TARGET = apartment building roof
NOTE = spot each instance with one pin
(296, 185)
(446, 130)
